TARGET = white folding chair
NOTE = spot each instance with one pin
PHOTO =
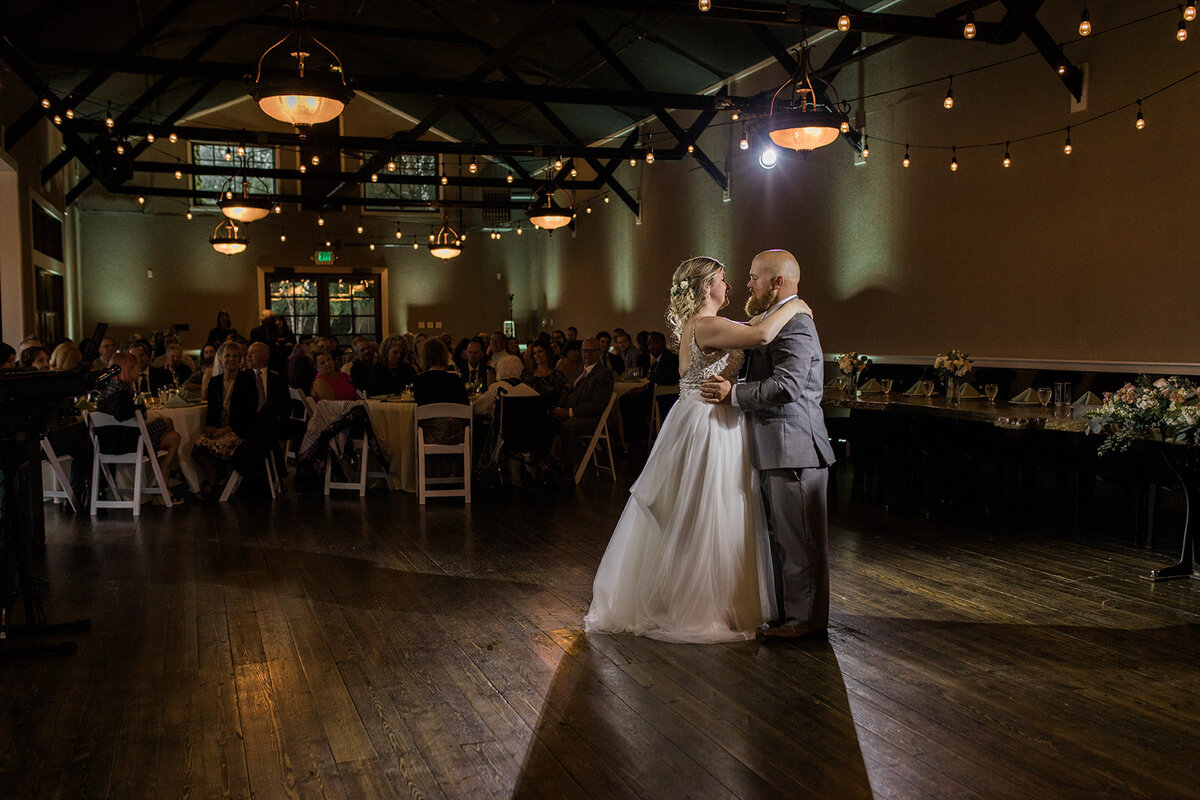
(273, 482)
(655, 413)
(142, 455)
(363, 448)
(300, 397)
(600, 435)
(443, 411)
(60, 486)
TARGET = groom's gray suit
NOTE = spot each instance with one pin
(789, 447)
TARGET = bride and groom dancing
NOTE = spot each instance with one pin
(724, 532)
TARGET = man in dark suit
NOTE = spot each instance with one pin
(661, 368)
(151, 378)
(789, 447)
(585, 402)
(474, 368)
(272, 420)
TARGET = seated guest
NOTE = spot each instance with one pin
(437, 385)
(117, 400)
(571, 334)
(543, 378)
(586, 399)
(329, 383)
(35, 357)
(508, 383)
(474, 369)
(364, 361)
(31, 340)
(392, 373)
(197, 383)
(661, 368)
(108, 351)
(606, 356)
(273, 421)
(231, 414)
(8, 356)
(418, 352)
(497, 346)
(150, 379)
(173, 363)
(65, 357)
(223, 330)
(514, 346)
(301, 371)
(572, 360)
(625, 355)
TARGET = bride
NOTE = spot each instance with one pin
(685, 562)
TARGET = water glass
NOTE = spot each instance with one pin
(1062, 393)
(991, 390)
(1045, 393)
(928, 389)
(886, 383)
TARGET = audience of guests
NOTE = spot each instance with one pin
(35, 357)
(274, 333)
(331, 384)
(392, 372)
(197, 383)
(149, 379)
(571, 334)
(117, 400)
(223, 330)
(580, 410)
(29, 341)
(174, 364)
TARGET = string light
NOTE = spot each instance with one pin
(149, 136)
(303, 169)
(520, 230)
(172, 137)
(558, 162)
(371, 246)
(1181, 34)
(57, 119)
(391, 166)
(45, 102)
(278, 209)
(866, 151)
(1007, 158)
(969, 29)
(189, 215)
(316, 161)
(1067, 145)
(1085, 22)
(374, 177)
(241, 151)
(744, 143)
(109, 122)
(178, 174)
(120, 149)
(320, 221)
(691, 148)
(283, 237)
(605, 199)
(416, 246)
(949, 101)
(70, 112)
(904, 163)
(633, 161)
(445, 180)
(228, 154)
(736, 116)
(509, 177)
(574, 172)
(359, 229)
(1189, 11)
(1139, 122)
(704, 5)
(141, 200)
(1062, 69)
(473, 167)
(845, 126)
(650, 156)
(399, 235)
(588, 209)
(954, 159)
(843, 23)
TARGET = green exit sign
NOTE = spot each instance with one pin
(324, 257)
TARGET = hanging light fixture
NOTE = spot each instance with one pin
(227, 239)
(1007, 162)
(1067, 145)
(445, 244)
(244, 207)
(805, 123)
(906, 160)
(969, 29)
(948, 103)
(1139, 121)
(1085, 22)
(549, 215)
(302, 94)
(954, 159)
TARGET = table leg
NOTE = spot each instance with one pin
(1186, 566)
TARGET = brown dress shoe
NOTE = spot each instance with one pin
(792, 632)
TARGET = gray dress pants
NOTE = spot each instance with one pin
(797, 521)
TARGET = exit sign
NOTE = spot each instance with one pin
(324, 257)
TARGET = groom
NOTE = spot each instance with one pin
(789, 447)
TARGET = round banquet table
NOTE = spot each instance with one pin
(395, 430)
(188, 421)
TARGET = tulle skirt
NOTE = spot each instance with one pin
(688, 560)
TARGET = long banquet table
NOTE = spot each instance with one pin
(1003, 414)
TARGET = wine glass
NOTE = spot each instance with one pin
(991, 390)
(886, 383)
(1044, 394)
(928, 389)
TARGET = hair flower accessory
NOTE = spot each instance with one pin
(679, 288)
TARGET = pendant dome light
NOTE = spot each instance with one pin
(243, 206)
(805, 122)
(446, 244)
(227, 239)
(549, 215)
(310, 91)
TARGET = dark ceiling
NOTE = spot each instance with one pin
(512, 79)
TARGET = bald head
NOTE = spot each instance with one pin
(592, 350)
(779, 263)
(257, 355)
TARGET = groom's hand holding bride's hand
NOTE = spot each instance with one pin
(716, 390)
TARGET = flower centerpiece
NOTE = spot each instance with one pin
(952, 368)
(853, 365)
(1165, 409)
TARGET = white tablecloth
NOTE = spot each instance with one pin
(394, 428)
(188, 422)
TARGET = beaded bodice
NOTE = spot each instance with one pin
(705, 365)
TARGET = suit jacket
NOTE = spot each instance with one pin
(782, 400)
(588, 397)
(158, 378)
(243, 405)
(464, 369)
(665, 372)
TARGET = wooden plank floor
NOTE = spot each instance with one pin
(313, 648)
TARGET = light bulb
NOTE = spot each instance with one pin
(906, 161)
(278, 209)
(70, 112)
(1189, 11)
(416, 246)
(1181, 34)
(303, 169)
(472, 167)
(45, 102)
(316, 161)
(149, 136)
(228, 154)
(843, 23)
(1139, 122)
(283, 237)
(768, 158)
(141, 201)
(588, 209)
(509, 177)
(949, 101)
(1085, 24)
(649, 156)
(391, 166)
(445, 180)
(109, 122)
(606, 199)
(1007, 160)
(520, 230)
(320, 220)
(845, 126)
(744, 143)
(954, 159)
(120, 149)
(704, 5)
(241, 151)
(574, 172)
(173, 138)
(1062, 69)
(691, 148)
(178, 174)
(399, 234)
(558, 163)
(735, 116)
(57, 119)
(372, 245)
(633, 162)
(359, 229)
(374, 177)
(189, 215)
(866, 151)
(969, 29)
(1067, 145)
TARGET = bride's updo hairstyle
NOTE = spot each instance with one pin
(688, 291)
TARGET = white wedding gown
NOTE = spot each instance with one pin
(688, 560)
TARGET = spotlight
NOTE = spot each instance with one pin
(768, 158)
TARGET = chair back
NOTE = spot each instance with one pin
(524, 422)
(442, 411)
(299, 403)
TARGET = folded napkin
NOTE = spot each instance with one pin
(1028, 396)
(871, 386)
(968, 392)
(1088, 399)
(915, 390)
(178, 401)
(82, 402)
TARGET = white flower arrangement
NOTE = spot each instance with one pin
(679, 288)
